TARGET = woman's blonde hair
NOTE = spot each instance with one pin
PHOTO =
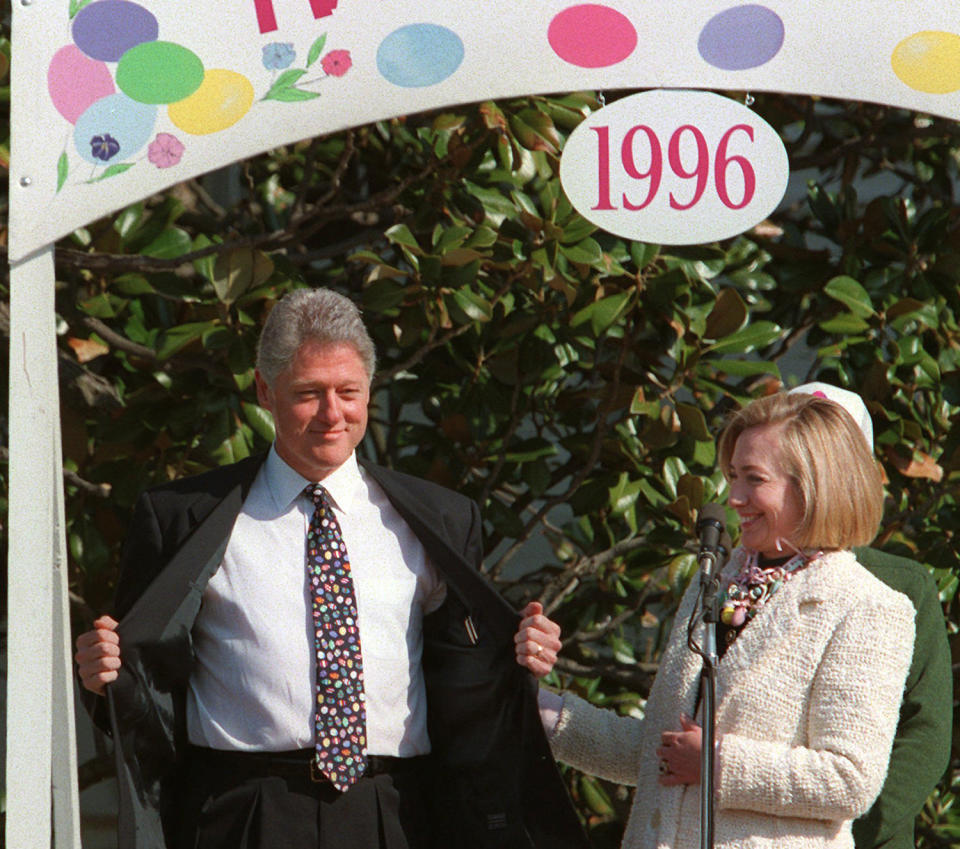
(824, 453)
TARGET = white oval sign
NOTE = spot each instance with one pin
(674, 167)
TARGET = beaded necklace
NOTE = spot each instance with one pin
(753, 586)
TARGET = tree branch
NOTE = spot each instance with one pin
(637, 677)
(563, 584)
(122, 343)
(599, 434)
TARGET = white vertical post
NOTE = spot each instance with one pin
(39, 685)
(66, 793)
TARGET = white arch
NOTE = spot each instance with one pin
(834, 48)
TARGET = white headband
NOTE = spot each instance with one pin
(850, 401)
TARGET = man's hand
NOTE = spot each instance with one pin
(537, 640)
(98, 655)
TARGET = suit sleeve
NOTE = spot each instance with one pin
(854, 703)
(921, 748)
(139, 562)
(473, 551)
(597, 740)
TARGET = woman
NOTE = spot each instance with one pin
(814, 653)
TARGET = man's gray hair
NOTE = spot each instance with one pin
(311, 315)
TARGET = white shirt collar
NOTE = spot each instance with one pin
(285, 484)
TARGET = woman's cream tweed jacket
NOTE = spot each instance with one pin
(807, 704)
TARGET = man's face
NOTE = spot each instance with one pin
(319, 405)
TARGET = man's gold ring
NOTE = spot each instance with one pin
(539, 650)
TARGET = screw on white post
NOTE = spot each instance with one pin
(26, 181)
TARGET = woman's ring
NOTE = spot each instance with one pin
(664, 767)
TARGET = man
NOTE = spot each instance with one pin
(921, 748)
(363, 695)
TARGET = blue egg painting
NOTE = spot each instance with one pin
(419, 55)
(113, 128)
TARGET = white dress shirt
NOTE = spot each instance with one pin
(252, 685)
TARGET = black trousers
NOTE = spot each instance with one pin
(233, 800)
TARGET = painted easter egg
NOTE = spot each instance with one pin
(222, 99)
(741, 37)
(107, 29)
(113, 129)
(76, 82)
(159, 72)
(929, 61)
(592, 36)
(419, 55)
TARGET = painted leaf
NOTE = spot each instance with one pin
(63, 169)
(112, 171)
(291, 95)
(316, 49)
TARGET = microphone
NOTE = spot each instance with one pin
(724, 547)
(714, 540)
(710, 526)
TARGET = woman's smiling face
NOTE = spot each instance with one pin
(766, 499)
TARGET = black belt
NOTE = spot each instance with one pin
(296, 763)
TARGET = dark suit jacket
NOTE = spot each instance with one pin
(495, 781)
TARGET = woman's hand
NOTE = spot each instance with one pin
(537, 640)
(679, 754)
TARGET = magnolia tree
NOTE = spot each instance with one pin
(570, 381)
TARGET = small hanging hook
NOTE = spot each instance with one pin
(748, 99)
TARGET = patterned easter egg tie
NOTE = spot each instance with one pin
(341, 718)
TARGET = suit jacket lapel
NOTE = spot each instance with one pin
(173, 598)
(775, 623)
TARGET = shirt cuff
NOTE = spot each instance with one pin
(550, 705)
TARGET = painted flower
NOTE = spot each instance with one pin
(104, 147)
(278, 55)
(336, 63)
(165, 150)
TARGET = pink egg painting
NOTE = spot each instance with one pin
(592, 36)
(75, 81)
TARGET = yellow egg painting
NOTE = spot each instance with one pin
(222, 99)
(929, 61)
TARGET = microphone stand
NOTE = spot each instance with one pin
(712, 552)
(708, 693)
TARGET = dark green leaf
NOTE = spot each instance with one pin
(750, 338)
(851, 294)
(178, 337)
(170, 244)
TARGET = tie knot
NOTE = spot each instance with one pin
(316, 492)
